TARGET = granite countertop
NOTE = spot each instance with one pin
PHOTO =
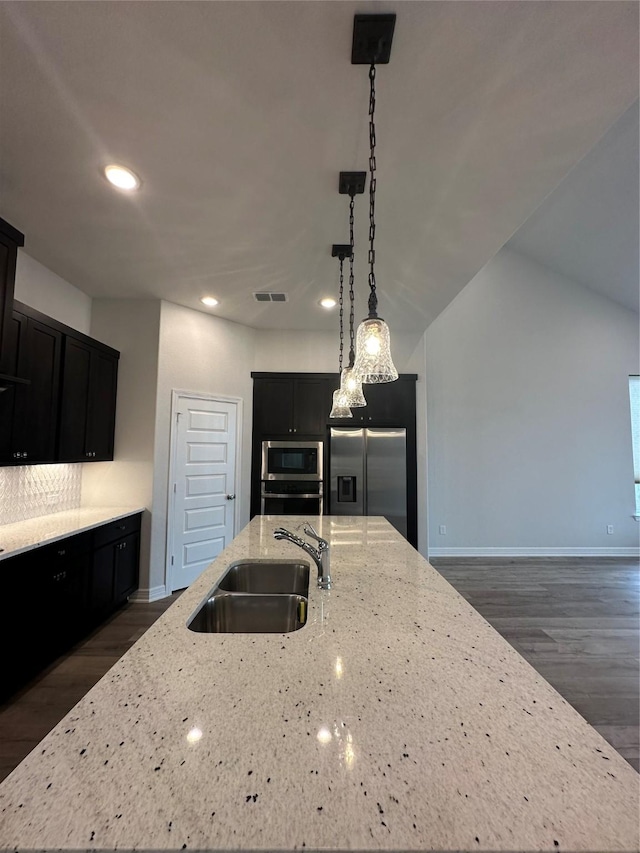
(396, 718)
(26, 535)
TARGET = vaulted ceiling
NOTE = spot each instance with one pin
(239, 116)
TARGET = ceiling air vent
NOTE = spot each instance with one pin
(270, 297)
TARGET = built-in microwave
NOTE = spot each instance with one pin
(291, 460)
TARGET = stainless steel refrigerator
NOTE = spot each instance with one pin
(368, 471)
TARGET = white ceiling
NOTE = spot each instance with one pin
(239, 116)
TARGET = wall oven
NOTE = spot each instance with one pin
(291, 460)
(292, 497)
(291, 478)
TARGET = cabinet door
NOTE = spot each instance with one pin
(101, 413)
(312, 404)
(10, 239)
(10, 399)
(37, 405)
(127, 566)
(273, 407)
(102, 583)
(388, 404)
(61, 590)
(74, 402)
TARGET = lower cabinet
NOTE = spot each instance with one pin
(55, 595)
(114, 574)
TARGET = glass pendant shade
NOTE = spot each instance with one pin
(373, 362)
(351, 387)
(340, 408)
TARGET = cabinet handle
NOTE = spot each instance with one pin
(62, 553)
(123, 545)
(231, 497)
(122, 527)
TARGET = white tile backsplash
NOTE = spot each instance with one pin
(32, 490)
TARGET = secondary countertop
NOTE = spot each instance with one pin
(396, 718)
(26, 535)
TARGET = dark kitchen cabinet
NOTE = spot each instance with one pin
(43, 606)
(88, 401)
(64, 410)
(60, 578)
(388, 404)
(54, 595)
(114, 574)
(10, 240)
(288, 406)
(28, 412)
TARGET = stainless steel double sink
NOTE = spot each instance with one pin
(256, 596)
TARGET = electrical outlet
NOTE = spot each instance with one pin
(609, 528)
(442, 530)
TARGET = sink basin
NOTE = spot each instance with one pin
(267, 576)
(234, 612)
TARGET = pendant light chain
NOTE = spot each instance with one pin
(352, 353)
(373, 300)
(341, 309)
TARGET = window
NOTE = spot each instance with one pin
(634, 399)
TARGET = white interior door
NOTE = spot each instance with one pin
(202, 522)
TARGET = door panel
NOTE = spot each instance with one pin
(387, 476)
(348, 487)
(203, 518)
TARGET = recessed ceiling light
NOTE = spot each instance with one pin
(122, 177)
(209, 300)
(328, 302)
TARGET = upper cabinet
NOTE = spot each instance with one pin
(10, 240)
(291, 406)
(66, 412)
(88, 402)
(28, 412)
(388, 404)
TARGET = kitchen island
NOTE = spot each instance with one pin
(395, 718)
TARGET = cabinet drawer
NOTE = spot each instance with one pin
(64, 550)
(116, 530)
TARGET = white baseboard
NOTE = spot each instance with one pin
(534, 552)
(149, 595)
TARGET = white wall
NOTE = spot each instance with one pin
(45, 291)
(133, 328)
(317, 352)
(206, 354)
(528, 416)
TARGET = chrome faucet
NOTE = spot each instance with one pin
(319, 555)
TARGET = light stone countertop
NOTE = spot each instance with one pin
(25, 535)
(396, 718)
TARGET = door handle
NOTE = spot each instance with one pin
(231, 497)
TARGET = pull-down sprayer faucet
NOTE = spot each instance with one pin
(319, 555)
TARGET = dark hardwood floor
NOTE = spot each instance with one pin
(576, 621)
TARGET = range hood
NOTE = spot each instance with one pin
(10, 240)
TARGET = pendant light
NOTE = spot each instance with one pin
(372, 36)
(340, 409)
(350, 382)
